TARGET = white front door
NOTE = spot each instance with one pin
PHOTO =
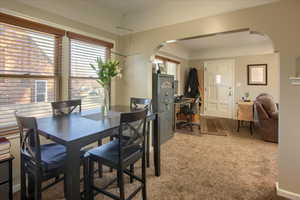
(218, 88)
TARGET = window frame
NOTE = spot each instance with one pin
(74, 36)
(165, 60)
(57, 63)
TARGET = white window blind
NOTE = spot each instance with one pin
(83, 78)
(172, 69)
(27, 73)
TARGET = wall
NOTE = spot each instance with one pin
(280, 22)
(15, 8)
(241, 86)
(253, 49)
(272, 60)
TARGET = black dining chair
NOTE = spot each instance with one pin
(60, 108)
(65, 107)
(120, 154)
(39, 162)
(136, 103)
(140, 103)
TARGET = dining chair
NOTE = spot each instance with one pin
(119, 154)
(60, 108)
(39, 162)
(141, 103)
(136, 103)
(65, 107)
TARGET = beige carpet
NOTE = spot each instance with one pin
(237, 167)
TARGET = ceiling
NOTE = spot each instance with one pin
(131, 6)
(139, 15)
(228, 40)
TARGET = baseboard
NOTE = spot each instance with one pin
(287, 194)
(16, 188)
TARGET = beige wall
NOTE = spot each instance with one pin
(280, 22)
(272, 60)
(240, 85)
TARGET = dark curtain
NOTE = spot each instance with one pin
(192, 84)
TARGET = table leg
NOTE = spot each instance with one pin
(239, 124)
(251, 127)
(156, 145)
(73, 172)
(148, 144)
(10, 181)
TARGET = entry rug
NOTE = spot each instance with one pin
(215, 126)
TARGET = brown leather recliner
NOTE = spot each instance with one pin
(267, 113)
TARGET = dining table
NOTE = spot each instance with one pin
(80, 129)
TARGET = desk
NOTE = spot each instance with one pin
(177, 105)
(245, 112)
(80, 129)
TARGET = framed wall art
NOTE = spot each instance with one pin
(257, 74)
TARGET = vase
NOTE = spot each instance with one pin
(106, 103)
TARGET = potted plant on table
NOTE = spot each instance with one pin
(106, 71)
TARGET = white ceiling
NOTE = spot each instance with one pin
(139, 15)
(224, 41)
(131, 6)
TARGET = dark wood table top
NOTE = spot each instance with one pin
(73, 127)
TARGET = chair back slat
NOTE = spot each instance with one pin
(65, 107)
(29, 138)
(135, 122)
(136, 103)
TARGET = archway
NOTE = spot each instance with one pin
(239, 157)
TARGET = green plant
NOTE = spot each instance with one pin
(247, 94)
(106, 71)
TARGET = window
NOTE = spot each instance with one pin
(29, 61)
(41, 91)
(172, 69)
(169, 65)
(85, 51)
